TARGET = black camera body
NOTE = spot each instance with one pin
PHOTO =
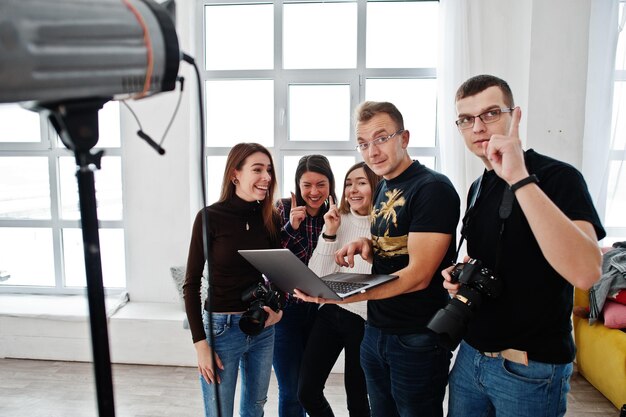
(451, 322)
(252, 321)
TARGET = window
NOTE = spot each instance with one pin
(289, 74)
(614, 219)
(41, 245)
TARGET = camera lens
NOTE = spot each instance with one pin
(252, 321)
(450, 322)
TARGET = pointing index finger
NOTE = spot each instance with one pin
(331, 201)
(293, 200)
(516, 115)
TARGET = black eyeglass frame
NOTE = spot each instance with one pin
(470, 120)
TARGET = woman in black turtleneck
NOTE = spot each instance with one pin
(243, 218)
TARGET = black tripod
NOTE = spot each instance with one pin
(76, 122)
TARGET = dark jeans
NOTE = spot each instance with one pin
(335, 329)
(406, 374)
(290, 338)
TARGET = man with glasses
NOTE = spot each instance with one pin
(532, 222)
(414, 220)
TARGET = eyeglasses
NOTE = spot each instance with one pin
(487, 117)
(378, 141)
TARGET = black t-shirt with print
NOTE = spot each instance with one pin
(419, 200)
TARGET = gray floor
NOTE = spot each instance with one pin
(67, 389)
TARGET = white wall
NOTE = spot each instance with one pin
(558, 78)
(161, 191)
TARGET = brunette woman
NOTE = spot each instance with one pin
(302, 218)
(243, 218)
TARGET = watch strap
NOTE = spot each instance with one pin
(528, 180)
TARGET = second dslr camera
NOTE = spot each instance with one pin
(451, 322)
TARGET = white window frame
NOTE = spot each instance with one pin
(51, 147)
(354, 77)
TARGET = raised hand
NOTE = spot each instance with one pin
(505, 153)
(297, 213)
(332, 218)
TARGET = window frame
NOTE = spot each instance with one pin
(283, 78)
(51, 147)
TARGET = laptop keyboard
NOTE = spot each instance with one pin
(341, 287)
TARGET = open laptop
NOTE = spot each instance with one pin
(287, 272)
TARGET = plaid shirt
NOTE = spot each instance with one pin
(301, 242)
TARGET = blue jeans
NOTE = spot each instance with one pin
(251, 354)
(292, 333)
(486, 387)
(406, 375)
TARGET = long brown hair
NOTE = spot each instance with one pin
(372, 178)
(235, 161)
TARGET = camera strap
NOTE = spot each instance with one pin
(476, 187)
(506, 207)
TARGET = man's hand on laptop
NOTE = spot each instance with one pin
(361, 246)
(309, 299)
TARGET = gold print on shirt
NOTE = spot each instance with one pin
(385, 217)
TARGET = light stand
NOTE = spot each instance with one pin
(76, 122)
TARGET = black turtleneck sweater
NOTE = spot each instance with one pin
(232, 225)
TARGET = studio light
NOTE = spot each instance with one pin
(60, 50)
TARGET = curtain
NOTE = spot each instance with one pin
(460, 57)
(598, 135)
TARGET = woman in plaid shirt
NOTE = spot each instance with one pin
(302, 218)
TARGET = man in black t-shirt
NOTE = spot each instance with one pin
(516, 357)
(414, 219)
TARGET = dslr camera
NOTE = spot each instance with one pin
(252, 321)
(451, 322)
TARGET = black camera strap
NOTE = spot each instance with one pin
(476, 186)
(506, 207)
